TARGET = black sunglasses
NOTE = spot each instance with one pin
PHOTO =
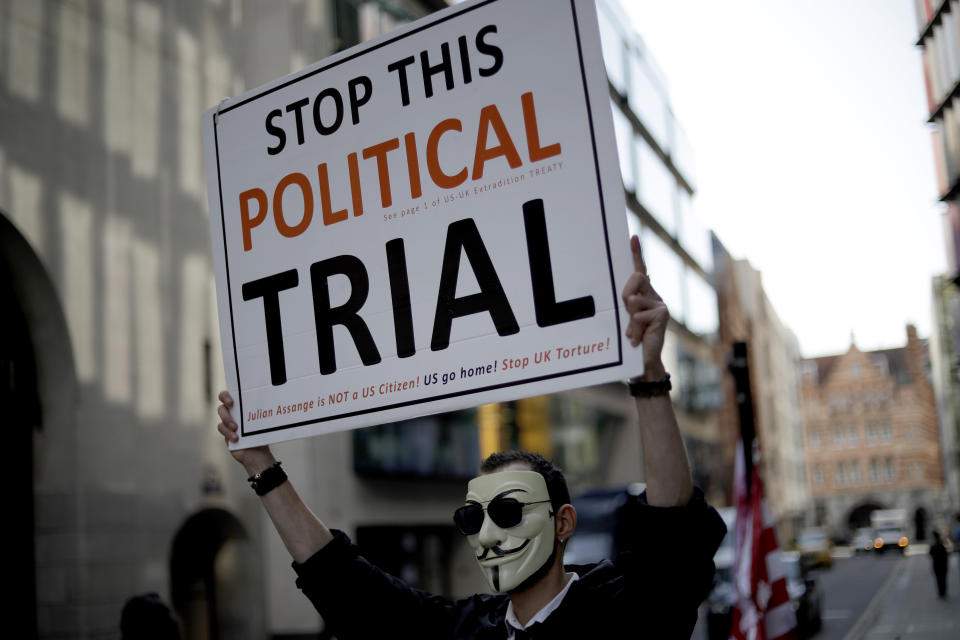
(505, 513)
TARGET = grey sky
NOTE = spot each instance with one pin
(814, 161)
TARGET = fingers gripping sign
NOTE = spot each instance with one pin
(648, 314)
(227, 426)
(256, 458)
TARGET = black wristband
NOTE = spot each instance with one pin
(644, 389)
(268, 479)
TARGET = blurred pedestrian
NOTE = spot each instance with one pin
(956, 540)
(938, 553)
(147, 617)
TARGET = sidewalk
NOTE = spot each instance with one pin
(907, 606)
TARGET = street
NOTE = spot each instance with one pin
(906, 604)
(848, 589)
(910, 608)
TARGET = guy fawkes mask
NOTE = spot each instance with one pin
(508, 521)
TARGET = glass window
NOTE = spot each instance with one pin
(855, 477)
(634, 227)
(818, 475)
(578, 431)
(852, 436)
(955, 27)
(612, 42)
(840, 476)
(694, 235)
(702, 313)
(624, 134)
(374, 20)
(951, 140)
(648, 99)
(699, 385)
(814, 443)
(666, 273)
(684, 206)
(881, 364)
(874, 471)
(887, 432)
(443, 445)
(890, 469)
(941, 45)
(837, 436)
(950, 48)
(682, 153)
(656, 186)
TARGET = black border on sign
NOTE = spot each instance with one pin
(396, 405)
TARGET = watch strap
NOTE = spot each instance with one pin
(650, 389)
(268, 479)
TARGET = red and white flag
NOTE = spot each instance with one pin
(763, 610)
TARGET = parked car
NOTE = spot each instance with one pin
(815, 547)
(806, 596)
(890, 538)
(607, 521)
(890, 526)
(723, 597)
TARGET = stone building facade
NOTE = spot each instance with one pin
(872, 437)
(938, 25)
(108, 338)
(747, 315)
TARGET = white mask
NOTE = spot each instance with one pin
(509, 555)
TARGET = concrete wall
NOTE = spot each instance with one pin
(101, 183)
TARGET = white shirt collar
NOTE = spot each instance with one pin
(540, 616)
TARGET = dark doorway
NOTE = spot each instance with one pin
(920, 523)
(860, 516)
(213, 578)
(21, 408)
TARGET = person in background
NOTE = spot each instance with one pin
(147, 617)
(938, 554)
(956, 541)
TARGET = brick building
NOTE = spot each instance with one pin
(872, 437)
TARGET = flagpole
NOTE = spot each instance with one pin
(763, 609)
(739, 366)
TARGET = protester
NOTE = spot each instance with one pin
(147, 617)
(938, 554)
(517, 517)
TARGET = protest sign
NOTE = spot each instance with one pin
(428, 221)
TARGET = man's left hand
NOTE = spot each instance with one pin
(648, 316)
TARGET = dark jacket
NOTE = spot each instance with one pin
(651, 591)
(939, 554)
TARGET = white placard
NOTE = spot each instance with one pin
(428, 221)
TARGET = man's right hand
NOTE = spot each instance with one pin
(302, 533)
(254, 459)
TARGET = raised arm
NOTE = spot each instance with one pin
(664, 457)
(302, 532)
